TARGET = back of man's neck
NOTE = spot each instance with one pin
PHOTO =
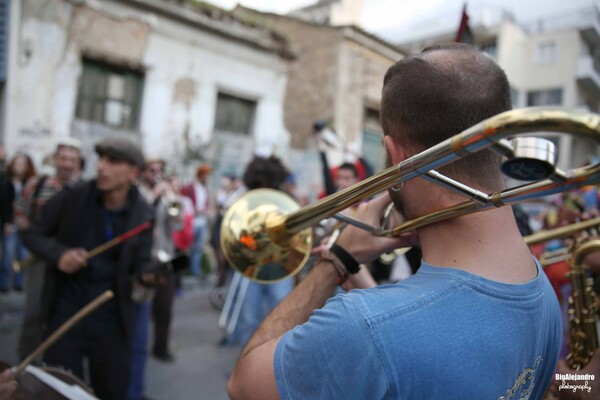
(487, 244)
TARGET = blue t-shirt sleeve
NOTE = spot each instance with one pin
(332, 355)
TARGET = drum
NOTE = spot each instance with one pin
(32, 388)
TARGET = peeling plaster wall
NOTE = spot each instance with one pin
(39, 77)
(52, 37)
(180, 96)
(100, 33)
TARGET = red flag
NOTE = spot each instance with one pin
(464, 33)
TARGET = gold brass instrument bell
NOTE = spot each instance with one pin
(266, 236)
(253, 239)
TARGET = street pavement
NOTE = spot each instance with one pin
(201, 368)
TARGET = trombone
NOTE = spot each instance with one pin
(266, 237)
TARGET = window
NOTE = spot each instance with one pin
(373, 150)
(371, 122)
(551, 97)
(110, 95)
(545, 52)
(234, 114)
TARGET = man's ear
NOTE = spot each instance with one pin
(395, 150)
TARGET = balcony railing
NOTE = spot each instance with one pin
(586, 20)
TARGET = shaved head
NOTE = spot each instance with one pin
(438, 93)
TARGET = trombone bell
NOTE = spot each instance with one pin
(256, 244)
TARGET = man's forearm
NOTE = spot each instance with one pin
(254, 376)
(297, 307)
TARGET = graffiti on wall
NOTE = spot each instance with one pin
(36, 141)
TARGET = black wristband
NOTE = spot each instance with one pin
(349, 262)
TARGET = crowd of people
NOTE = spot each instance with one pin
(473, 315)
(53, 222)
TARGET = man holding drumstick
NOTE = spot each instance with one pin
(79, 219)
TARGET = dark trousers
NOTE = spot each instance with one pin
(31, 330)
(162, 315)
(108, 361)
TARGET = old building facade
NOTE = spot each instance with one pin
(554, 61)
(337, 77)
(187, 81)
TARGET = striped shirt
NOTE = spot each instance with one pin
(26, 207)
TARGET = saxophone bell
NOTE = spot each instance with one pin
(583, 309)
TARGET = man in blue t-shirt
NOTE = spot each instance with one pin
(479, 320)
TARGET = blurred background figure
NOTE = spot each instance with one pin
(67, 161)
(18, 172)
(2, 156)
(183, 238)
(231, 188)
(345, 176)
(197, 192)
(79, 218)
(290, 186)
(158, 192)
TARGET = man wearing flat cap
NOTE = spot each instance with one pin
(76, 220)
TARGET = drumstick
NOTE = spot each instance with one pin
(96, 250)
(68, 324)
(115, 241)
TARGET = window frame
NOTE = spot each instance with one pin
(543, 55)
(230, 99)
(96, 96)
(544, 96)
